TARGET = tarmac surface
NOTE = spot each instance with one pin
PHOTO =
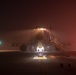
(21, 63)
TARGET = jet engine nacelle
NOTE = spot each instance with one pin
(23, 47)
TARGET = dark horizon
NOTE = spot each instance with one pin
(28, 14)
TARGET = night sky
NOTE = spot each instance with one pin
(19, 16)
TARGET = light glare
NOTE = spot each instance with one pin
(52, 56)
(36, 57)
(0, 42)
(41, 29)
(40, 49)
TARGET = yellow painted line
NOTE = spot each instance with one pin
(40, 58)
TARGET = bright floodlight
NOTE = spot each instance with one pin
(40, 49)
(41, 29)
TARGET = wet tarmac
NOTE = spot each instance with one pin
(21, 63)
